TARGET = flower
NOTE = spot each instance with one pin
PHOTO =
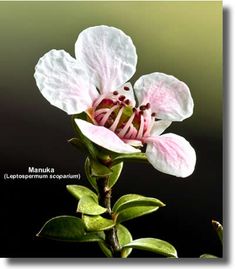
(96, 82)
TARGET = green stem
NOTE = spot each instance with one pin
(105, 194)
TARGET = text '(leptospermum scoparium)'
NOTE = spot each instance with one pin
(114, 122)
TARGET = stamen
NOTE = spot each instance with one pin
(107, 115)
(127, 101)
(141, 129)
(130, 132)
(153, 114)
(127, 125)
(98, 101)
(100, 111)
(150, 125)
(126, 88)
(115, 93)
(142, 107)
(115, 123)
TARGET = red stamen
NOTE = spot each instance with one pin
(126, 88)
(121, 98)
(115, 93)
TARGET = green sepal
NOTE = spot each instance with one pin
(133, 200)
(139, 156)
(88, 205)
(97, 223)
(134, 205)
(68, 228)
(78, 191)
(91, 179)
(76, 143)
(219, 229)
(153, 245)
(208, 256)
(98, 169)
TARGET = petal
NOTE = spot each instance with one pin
(127, 91)
(63, 83)
(171, 154)
(108, 54)
(159, 127)
(169, 97)
(104, 137)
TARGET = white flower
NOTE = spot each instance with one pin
(95, 82)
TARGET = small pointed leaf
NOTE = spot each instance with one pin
(116, 171)
(88, 205)
(97, 223)
(219, 229)
(103, 246)
(133, 200)
(76, 143)
(153, 245)
(124, 237)
(208, 256)
(134, 212)
(78, 191)
(91, 179)
(68, 228)
(98, 169)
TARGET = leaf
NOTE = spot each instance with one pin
(208, 256)
(153, 245)
(97, 223)
(88, 205)
(219, 229)
(90, 178)
(133, 200)
(139, 156)
(78, 191)
(103, 246)
(68, 228)
(116, 171)
(98, 169)
(124, 237)
(76, 143)
(134, 212)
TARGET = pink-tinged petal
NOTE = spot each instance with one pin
(108, 54)
(171, 154)
(169, 97)
(128, 92)
(63, 83)
(159, 127)
(104, 137)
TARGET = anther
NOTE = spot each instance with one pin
(142, 107)
(115, 93)
(126, 88)
(134, 109)
(127, 101)
(121, 97)
(147, 106)
(153, 114)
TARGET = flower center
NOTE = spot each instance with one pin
(115, 112)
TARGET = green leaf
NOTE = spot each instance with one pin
(88, 205)
(134, 200)
(153, 245)
(91, 179)
(219, 229)
(103, 246)
(134, 212)
(76, 143)
(116, 171)
(124, 237)
(139, 156)
(78, 191)
(68, 228)
(98, 169)
(208, 256)
(97, 223)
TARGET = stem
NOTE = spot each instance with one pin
(105, 195)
